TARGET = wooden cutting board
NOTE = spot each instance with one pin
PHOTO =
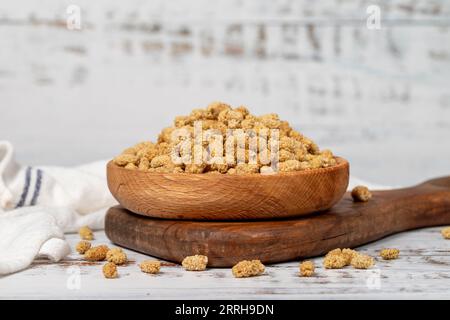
(347, 225)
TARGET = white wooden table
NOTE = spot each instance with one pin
(423, 271)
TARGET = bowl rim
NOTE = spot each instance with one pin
(341, 164)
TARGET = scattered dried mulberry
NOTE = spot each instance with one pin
(446, 233)
(362, 261)
(389, 254)
(83, 246)
(339, 258)
(117, 256)
(150, 266)
(86, 233)
(110, 270)
(195, 263)
(334, 261)
(307, 268)
(97, 253)
(348, 255)
(248, 268)
(361, 194)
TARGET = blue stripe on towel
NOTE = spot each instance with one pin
(24, 194)
(37, 187)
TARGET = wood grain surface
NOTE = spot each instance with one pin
(224, 197)
(347, 224)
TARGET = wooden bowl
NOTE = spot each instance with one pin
(228, 197)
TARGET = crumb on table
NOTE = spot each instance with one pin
(361, 194)
(195, 263)
(248, 268)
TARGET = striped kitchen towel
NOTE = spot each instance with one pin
(39, 204)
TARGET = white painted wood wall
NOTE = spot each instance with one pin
(380, 98)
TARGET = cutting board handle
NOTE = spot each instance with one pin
(443, 182)
(391, 211)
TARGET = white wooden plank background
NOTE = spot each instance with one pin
(421, 272)
(377, 97)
